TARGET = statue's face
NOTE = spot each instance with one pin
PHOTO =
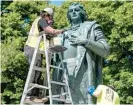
(75, 12)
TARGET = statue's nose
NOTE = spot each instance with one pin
(74, 12)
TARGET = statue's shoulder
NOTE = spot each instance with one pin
(88, 24)
(91, 23)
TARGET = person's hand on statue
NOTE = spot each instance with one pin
(78, 40)
(56, 32)
(91, 90)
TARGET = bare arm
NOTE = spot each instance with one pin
(42, 23)
(97, 93)
(52, 30)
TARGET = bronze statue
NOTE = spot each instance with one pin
(86, 46)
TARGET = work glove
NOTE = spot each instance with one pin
(91, 90)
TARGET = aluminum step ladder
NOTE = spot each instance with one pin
(29, 86)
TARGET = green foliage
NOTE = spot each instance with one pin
(114, 16)
(19, 17)
(61, 16)
(15, 24)
(14, 70)
(12, 21)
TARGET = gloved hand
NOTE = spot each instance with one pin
(91, 90)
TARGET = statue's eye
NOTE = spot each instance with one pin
(77, 9)
(74, 10)
(71, 10)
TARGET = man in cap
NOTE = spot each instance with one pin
(42, 23)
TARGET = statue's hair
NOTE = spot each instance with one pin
(83, 13)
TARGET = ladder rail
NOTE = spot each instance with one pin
(66, 79)
(30, 72)
(47, 69)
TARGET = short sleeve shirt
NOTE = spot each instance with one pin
(42, 23)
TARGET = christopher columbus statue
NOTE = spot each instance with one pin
(86, 46)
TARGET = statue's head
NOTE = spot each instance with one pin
(76, 11)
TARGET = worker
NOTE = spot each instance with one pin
(105, 95)
(42, 23)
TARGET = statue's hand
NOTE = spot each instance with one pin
(79, 41)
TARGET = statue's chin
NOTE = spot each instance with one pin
(76, 20)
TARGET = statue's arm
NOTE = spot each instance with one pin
(99, 45)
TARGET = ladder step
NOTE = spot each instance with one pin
(62, 100)
(58, 95)
(39, 86)
(59, 83)
(39, 68)
(29, 102)
(36, 100)
(55, 96)
(56, 67)
(64, 93)
(41, 51)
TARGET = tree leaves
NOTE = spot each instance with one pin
(114, 16)
(14, 30)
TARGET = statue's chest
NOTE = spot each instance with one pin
(69, 35)
(71, 49)
(72, 33)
